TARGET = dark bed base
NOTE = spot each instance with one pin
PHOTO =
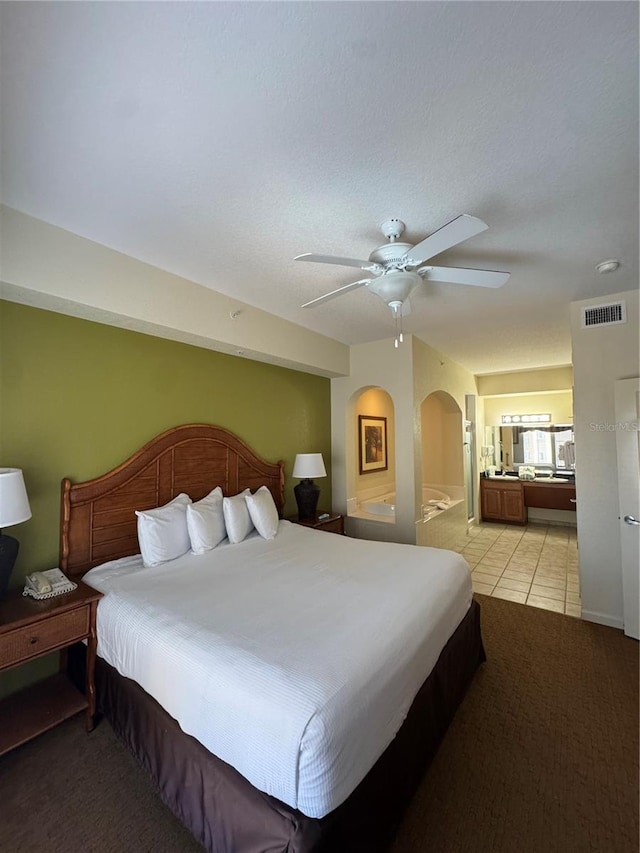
(228, 815)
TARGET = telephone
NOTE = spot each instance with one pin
(47, 584)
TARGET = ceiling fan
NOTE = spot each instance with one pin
(396, 269)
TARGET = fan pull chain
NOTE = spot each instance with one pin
(397, 314)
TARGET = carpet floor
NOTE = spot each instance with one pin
(542, 757)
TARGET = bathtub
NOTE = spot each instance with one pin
(429, 495)
(385, 505)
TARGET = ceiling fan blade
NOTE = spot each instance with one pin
(454, 232)
(338, 292)
(343, 262)
(459, 275)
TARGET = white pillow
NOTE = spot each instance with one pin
(236, 517)
(162, 532)
(263, 512)
(205, 522)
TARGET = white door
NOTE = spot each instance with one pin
(627, 411)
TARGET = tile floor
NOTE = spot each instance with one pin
(535, 565)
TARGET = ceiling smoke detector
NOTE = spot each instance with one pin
(608, 266)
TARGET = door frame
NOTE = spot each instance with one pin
(627, 415)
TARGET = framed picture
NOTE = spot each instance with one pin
(373, 443)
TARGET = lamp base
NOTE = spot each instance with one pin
(8, 553)
(307, 494)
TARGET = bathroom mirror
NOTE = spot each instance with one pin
(542, 446)
(490, 448)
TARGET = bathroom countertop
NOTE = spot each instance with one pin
(541, 481)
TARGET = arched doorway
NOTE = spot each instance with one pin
(444, 509)
(371, 466)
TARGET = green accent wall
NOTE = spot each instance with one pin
(78, 397)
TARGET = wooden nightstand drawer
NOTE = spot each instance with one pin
(29, 629)
(332, 525)
(32, 640)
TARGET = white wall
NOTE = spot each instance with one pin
(601, 355)
(51, 268)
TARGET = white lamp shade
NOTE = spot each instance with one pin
(14, 503)
(309, 465)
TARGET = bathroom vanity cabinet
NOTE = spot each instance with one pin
(550, 495)
(502, 500)
(507, 500)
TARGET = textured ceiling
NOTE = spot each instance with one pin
(219, 140)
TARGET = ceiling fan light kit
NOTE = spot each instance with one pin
(396, 269)
(395, 286)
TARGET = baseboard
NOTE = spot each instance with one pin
(602, 619)
(555, 523)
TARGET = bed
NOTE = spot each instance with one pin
(325, 786)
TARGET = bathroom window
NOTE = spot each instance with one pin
(536, 446)
(541, 446)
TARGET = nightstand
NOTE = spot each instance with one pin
(30, 629)
(333, 524)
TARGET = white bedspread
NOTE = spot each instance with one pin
(295, 660)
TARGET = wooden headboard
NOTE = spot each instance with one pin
(98, 521)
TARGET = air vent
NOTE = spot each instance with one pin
(611, 314)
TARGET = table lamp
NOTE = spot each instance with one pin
(14, 509)
(307, 466)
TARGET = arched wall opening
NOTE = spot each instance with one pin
(442, 441)
(371, 455)
(444, 510)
